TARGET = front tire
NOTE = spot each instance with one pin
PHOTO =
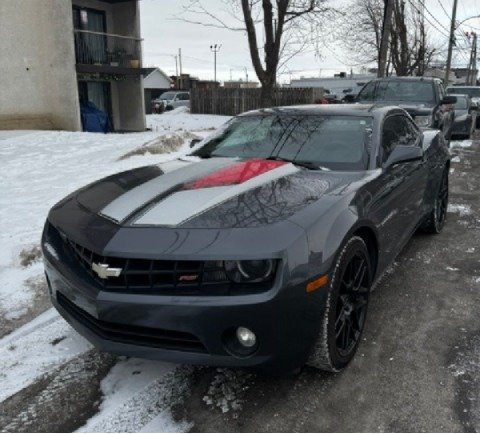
(346, 308)
(438, 215)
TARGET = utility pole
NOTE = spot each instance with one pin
(423, 42)
(176, 71)
(386, 29)
(246, 74)
(451, 42)
(215, 49)
(472, 65)
(180, 64)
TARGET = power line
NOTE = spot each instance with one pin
(433, 25)
(429, 13)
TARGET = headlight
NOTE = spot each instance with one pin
(258, 270)
(423, 121)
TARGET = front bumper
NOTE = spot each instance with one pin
(189, 329)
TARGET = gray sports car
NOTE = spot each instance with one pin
(258, 249)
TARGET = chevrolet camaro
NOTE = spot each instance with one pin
(259, 248)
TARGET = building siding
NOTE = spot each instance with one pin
(38, 87)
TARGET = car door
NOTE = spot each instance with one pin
(399, 198)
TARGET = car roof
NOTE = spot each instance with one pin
(325, 110)
(408, 79)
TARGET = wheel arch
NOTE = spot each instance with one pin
(368, 235)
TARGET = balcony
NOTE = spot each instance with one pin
(107, 53)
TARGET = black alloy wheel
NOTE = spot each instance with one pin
(436, 220)
(351, 305)
(343, 319)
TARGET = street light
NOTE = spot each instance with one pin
(215, 49)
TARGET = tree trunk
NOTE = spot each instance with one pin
(267, 95)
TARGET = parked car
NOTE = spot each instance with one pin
(423, 98)
(257, 250)
(173, 99)
(472, 91)
(465, 117)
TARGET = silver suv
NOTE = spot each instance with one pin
(172, 99)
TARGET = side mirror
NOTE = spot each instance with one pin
(404, 154)
(194, 142)
(448, 100)
(349, 98)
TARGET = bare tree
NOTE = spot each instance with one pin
(289, 27)
(410, 51)
(360, 29)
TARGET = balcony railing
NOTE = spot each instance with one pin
(96, 48)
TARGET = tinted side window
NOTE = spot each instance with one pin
(397, 130)
(184, 97)
(368, 92)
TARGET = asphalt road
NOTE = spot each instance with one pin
(417, 369)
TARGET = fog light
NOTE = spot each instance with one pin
(246, 337)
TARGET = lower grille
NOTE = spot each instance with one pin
(134, 335)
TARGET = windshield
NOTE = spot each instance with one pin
(461, 103)
(401, 90)
(333, 142)
(167, 96)
(472, 92)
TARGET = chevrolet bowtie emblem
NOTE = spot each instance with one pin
(104, 271)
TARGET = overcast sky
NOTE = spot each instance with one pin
(164, 33)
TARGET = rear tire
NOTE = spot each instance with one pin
(438, 215)
(346, 308)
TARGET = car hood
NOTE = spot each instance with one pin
(413, 109)
(213, 193)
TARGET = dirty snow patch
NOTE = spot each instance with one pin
(138, 395)
(461, 143)
(462, 210)
(455, 159)
(227, 389)
(28, 353)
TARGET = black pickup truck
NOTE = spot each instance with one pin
(424, 98)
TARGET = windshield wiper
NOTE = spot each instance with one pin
(307, 164)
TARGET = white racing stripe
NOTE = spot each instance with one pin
(186, 204)
(123, 206)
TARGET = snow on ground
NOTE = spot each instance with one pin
(35, 349)
(137, 396)
(38, 169)
(461, 210)
(173, 121)
(461, 144)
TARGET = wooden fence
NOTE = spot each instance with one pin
(231, 102)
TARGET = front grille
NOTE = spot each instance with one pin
(154, 276)
(134, 335)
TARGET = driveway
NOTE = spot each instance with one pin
(417, 369)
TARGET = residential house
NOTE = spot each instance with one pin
(155, 82)
(59, 54)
